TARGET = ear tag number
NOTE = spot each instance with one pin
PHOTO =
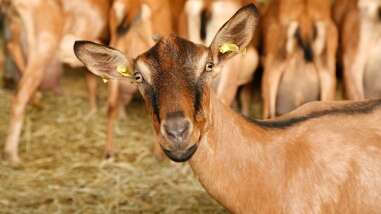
(231, 47)
(123, 70)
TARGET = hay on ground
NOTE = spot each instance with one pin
(64, 170)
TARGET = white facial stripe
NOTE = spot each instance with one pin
(145, 70)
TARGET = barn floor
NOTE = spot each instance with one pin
(64, 171)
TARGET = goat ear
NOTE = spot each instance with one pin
(102, 61)
(235, 35)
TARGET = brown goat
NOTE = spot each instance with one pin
(324, 158)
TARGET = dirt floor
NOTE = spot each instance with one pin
(64, 171)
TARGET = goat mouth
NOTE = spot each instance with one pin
(180, 156)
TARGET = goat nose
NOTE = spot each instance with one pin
(177, 129)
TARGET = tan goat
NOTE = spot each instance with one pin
(324, 158)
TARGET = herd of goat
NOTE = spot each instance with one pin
(187, 58)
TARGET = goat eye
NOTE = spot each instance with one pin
(138, 77)
(209, 67)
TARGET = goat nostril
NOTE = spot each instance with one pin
(181, 130)
(177, 130)
(170, 133)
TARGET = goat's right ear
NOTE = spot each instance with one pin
(235, 35)
(103, 61)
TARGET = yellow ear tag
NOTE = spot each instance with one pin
(123, 70)
(231, 47)
(228, 47)
(104, 79)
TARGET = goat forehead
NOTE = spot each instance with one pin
(174, 55)
(174, 63)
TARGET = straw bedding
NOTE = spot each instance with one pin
(64, 170)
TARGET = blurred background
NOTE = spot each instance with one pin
(74, 143)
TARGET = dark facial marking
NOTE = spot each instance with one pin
(173, 60)
(153, 94)
(350, 109)
(198, 96)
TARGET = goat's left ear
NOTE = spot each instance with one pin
(235, 35)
